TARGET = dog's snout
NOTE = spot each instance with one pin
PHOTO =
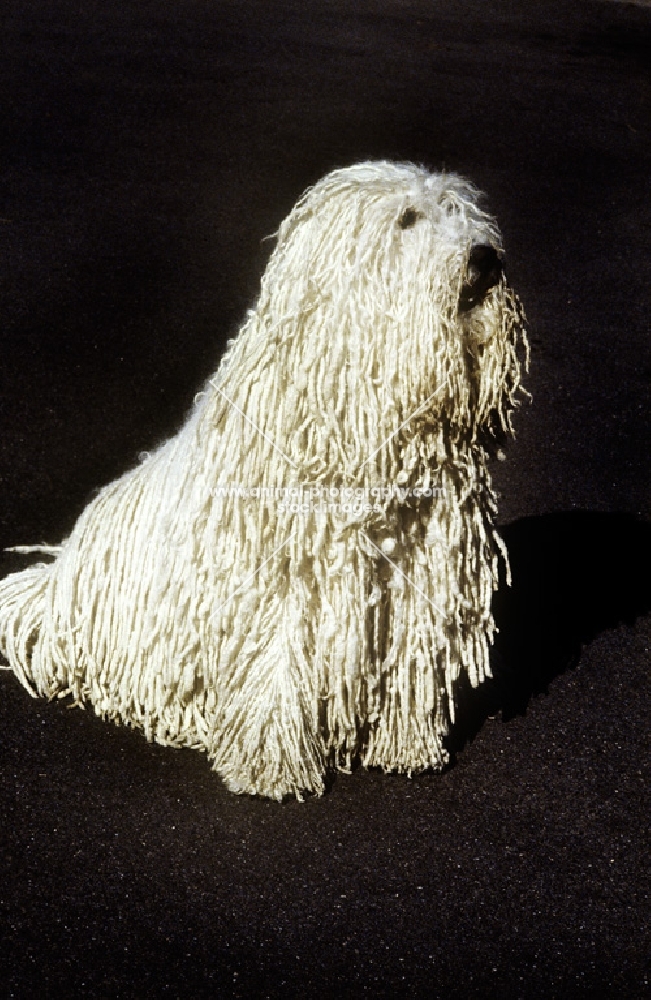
(485, 259)
(483, 272)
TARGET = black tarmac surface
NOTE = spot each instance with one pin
(147, 148)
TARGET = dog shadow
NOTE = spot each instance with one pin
(574, 575)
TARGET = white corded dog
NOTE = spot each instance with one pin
(299, 577)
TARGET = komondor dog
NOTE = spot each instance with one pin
(297, 580)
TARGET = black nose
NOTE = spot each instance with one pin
(484, 271)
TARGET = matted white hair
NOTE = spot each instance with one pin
(281, 638)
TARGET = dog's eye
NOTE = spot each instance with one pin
(409, 218)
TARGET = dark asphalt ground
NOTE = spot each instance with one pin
(147, 148)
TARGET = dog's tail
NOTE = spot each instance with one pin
(23, 600)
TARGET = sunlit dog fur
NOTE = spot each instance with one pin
(288, 639)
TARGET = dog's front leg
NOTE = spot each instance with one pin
(266, 734)
(414, 645)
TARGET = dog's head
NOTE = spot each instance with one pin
(384, 306)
